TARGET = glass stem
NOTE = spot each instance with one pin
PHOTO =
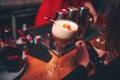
(59, 56)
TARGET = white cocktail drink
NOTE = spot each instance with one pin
(64, 31)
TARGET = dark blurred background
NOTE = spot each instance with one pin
(15, 13)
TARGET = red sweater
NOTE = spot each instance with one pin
(49, 7)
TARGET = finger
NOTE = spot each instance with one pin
(80, 46)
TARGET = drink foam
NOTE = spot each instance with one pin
(60, 32)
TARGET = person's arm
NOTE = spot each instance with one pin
(91, 10)
(79, 73)
(110, 72)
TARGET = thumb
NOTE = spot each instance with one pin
(80, 45)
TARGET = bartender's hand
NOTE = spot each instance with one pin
(91, 10)
(82, 53)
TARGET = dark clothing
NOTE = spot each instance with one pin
(100, 6)
(109, 72)
(77, 74)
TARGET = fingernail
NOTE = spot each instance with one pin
(80, 44)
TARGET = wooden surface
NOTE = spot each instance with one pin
(39, 70)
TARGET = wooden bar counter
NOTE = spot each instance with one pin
(38, 68)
